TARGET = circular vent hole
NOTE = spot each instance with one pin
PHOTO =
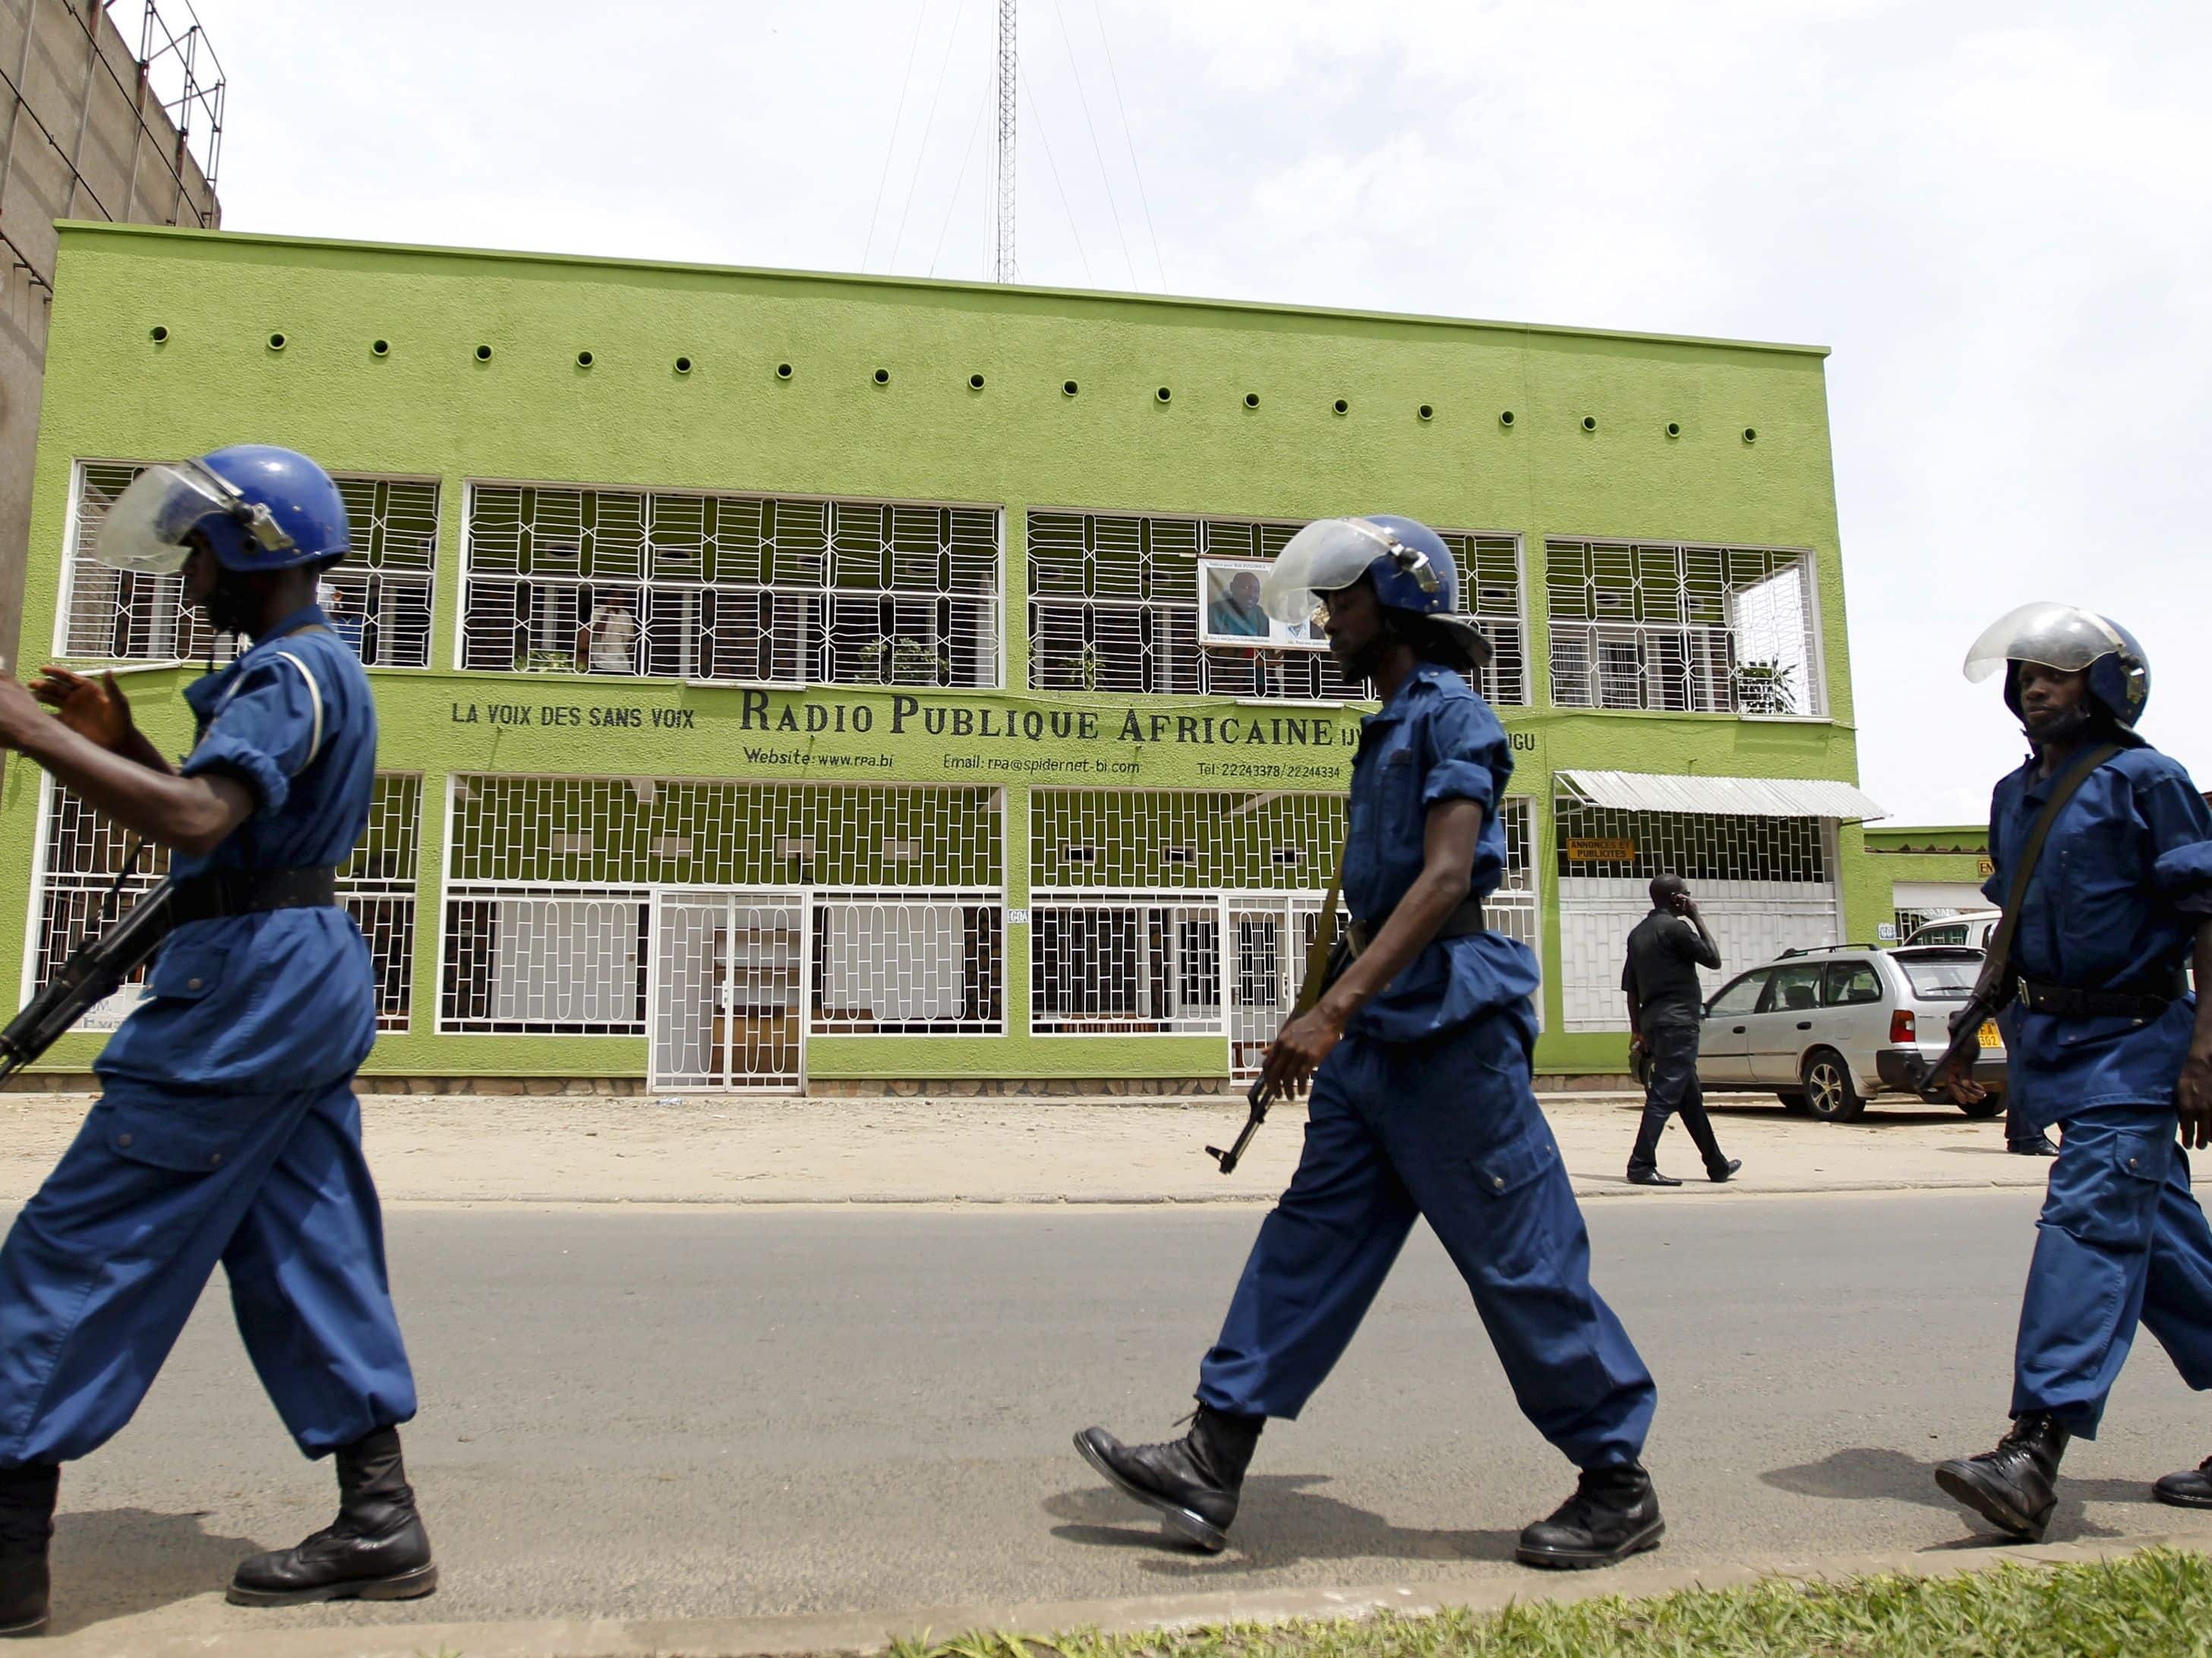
(684, 364)
(1069, 387)
(1341, 406)
(583, 359)
(157, 334)
(276, 342)
(1428, 412)
(1505, 418)
(1251, 399)
(1589, 423)
(1751, 434)
(484, 353)
(380, 348)
(783, 370)
(1673, 428)
(975, 382)
(883, 377)
(1163, 394)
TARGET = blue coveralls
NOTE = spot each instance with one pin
(2114, 904)
(1426, 1108)
(226, 1128)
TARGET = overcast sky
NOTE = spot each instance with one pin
(1999, 214)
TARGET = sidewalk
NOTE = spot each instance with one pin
(562, 1149)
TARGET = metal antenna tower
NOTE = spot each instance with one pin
(1008, 63)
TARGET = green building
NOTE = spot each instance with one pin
(1931, 872)
(797, 681)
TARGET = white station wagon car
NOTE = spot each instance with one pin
(1972, 927)
(1825, 1030)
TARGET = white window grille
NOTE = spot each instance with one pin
(737, 587)
(1682, 628)
(1764, 885)
(893, 898)
(85, 853)
(1113, 606)
(380, 602)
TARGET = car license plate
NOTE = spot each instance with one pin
(1989, 1034)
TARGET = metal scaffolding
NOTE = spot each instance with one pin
(1008, 68)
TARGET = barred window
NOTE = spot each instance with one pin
(1113, 606)
(85, 853)
(725, 920)
(1681, 628)
(377, 600)
(730, 587)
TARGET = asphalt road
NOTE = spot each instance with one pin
(668, 1413)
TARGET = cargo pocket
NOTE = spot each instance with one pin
(1514, 1202)
(2111, 1202)
(159, 1136)
(188, 969)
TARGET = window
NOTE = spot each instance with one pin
(1851, 984)
(1740, 997)
(561, 897)
(1113, 606)
(1792, 989)
(743, 587)
(378, 600)
(1942, 978)
(85, 853)
(1951, 932)
(1681, 628)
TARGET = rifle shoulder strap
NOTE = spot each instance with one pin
(2069, 782)
(1324, 938)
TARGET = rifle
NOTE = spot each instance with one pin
(1997, 986)
(1326, 957)
(93, 972)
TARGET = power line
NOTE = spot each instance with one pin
(959, 13)
(1056, 183)
(1130, 139)
(1084, 100)
(891, 152)
(965, 156)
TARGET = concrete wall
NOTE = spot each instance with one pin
(85, 140)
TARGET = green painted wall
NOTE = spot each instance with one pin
(430, 408)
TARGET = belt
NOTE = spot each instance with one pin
(2067, 1003)
(224, 892)
(1463, 922)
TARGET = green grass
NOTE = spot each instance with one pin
(2145, 1606)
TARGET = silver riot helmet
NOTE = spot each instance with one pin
(2072, 641)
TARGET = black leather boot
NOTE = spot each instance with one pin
(1193, 1481)
(27, 1527)
(2015, 1486)
(1614, 1514)
(2192, 1489)
(376, 1549)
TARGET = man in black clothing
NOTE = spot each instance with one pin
(1666, 1007)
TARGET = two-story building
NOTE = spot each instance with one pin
(801, 681)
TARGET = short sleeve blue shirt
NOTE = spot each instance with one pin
(1436, 740)
(283, 1000)
(2114, 903)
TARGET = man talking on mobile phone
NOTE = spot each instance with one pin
(1666, 1011)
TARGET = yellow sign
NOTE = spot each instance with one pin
(1984, 868)
(1600, 850)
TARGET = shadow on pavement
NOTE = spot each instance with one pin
(1278, 1523)
(116, 1563)
(1884, 1475)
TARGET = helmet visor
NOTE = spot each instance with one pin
(2061, 636)
(1326, 556)
(145, 529)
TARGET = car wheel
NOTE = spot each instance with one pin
(1829, 1092)
(1793, 1101)
(1981, 1110)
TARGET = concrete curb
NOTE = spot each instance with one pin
(864, 1633)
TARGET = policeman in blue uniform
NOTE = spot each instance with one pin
(226, 1128)
(1421, 1105)
(2103, 1039)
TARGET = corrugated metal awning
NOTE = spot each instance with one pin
(1722, 796)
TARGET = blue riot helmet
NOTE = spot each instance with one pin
(2072, 641)
(260, 508)
(1413, 569)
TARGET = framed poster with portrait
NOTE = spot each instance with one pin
(1229, 611)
